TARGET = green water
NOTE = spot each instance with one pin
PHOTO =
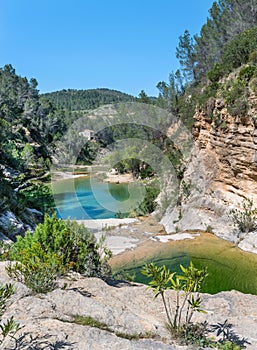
(228, 267)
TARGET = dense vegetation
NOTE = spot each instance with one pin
(24, 148)
(226, 41)
(77, 100)
(55, 248)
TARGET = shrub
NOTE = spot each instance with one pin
(253, 85)
(245, 219)
(39, 276)
(38, 196)
(239, 108)
(196, 334)
(228, 345)
(210, 91)
(216, 73)
(253, 57)
(56, 247)
(236, 99)
(187, 287)
(247, 73)
(238, 50)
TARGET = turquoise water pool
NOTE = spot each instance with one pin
(83, 198)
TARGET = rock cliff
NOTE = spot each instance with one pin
(220, 174)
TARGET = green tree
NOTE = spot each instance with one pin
(142, 97)
(27, 154)
(185, 52)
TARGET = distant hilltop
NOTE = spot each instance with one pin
(77, 100)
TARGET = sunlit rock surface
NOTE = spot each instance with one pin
(126, 309)
(220, 174)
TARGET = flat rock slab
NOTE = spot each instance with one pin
(175, 237)
(126, 309)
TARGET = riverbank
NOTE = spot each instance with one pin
(118, 178)
(128, 311)
(64, 175)
(86, 171)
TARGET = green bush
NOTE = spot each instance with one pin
(247, 73)
(216, 73)
(228, 345)
(239, 108)
(236, 98)
(38, 196)
(37, 275)
(253, 85)
(237, 52)
(195, 334)
(187, 286)
(245, 219)
(56, 247)
(253, 57)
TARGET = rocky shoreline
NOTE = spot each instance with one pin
(109, 177)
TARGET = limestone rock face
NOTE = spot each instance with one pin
(126, 309)
(221, 172)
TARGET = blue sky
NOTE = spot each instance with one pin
(127, 45)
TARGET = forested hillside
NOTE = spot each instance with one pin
(28, 130)
(77, 100)
(226, 41)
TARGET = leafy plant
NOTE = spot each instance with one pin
(55, 248)
(39, 276)
(238, 50)
(253, 57)
(245, 219)
(236, 98)
(187, 287)
(9, 327)
(196, 334)
(228, 345)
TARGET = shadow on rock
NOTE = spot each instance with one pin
(28, 342)
(225, 330)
